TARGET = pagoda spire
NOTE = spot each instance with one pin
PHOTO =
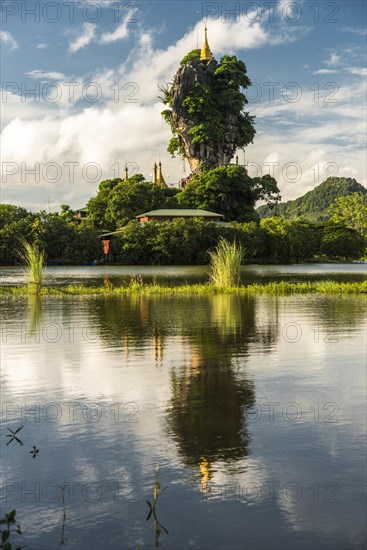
(126, 173)
(161, 181)
(206, 54)
(155, 177)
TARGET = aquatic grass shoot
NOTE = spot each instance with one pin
(158, 527)
(33, 258)
(10, 527)
(225, 264)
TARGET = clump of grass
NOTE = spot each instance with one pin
(225, 264)
(33, 259)
(136, 283)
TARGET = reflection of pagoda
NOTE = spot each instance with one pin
(205, 475)
(157, 346)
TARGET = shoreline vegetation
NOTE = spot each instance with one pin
(137, 287)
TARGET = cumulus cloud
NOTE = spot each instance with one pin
(42, 46)
(83, 38)
(7, 39)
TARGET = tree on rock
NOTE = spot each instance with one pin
(206, 110)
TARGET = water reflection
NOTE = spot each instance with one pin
(196, 367)
(212, 392)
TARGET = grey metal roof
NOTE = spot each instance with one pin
(176, 212)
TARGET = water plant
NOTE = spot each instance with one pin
(11, 527)
(33, 258)
(62, 488)
(280, 288)
(158, 527)
(13, 435)
(225, 264)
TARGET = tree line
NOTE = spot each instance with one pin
(181, 241)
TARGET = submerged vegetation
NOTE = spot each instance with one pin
(225, 264)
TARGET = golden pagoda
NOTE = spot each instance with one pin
(160, 180)
(206, 54)
(155, 170)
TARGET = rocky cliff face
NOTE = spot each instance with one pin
(199, 155)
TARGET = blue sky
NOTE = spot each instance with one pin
(96, 66)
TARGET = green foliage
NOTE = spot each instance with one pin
(340, 242)
(129, 199)
(277, 239)
(11, 527)
(15, 223)
(314, 205)
(305, 240)
(228, 190)
(97, 205)
(214, 106)
(59, 235)
(225, 264)
(85, 245)
(351, 211)
(115, 205)
(194, 55)
(282, 288)
(33, 259)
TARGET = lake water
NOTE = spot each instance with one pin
(254, 409)
(180, 274)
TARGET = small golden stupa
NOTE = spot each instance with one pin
(206, 54)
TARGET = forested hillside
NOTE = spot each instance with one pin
(314, 205)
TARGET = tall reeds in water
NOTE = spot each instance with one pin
(225, 264)
(33, 259)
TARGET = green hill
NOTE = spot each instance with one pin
(314, 205)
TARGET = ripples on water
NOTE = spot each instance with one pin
(254, 409)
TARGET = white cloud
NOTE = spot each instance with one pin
(86, 36)
(356, 30)
(119, 33)
(360, 71)
(7, 39)
(290, 10)
(333, 60)
(325, 71)
(37, 74)
(42, 46)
